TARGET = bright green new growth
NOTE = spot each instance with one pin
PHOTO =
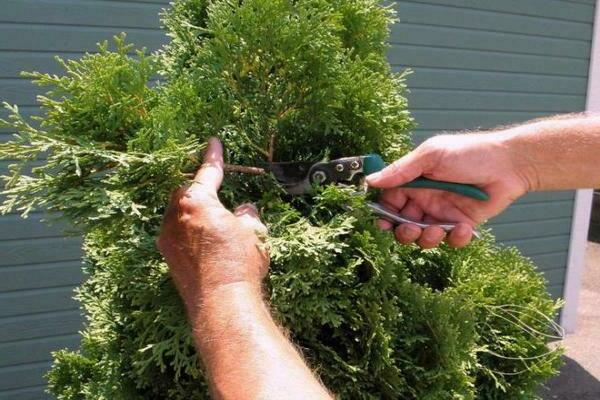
(288, 80)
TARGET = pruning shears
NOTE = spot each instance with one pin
(298, 178)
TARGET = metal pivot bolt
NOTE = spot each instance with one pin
(319, 177)
(339, 167)
(355, 165)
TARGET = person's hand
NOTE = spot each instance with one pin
(483, 160)
(206, 246)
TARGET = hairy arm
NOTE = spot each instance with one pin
(245, 353)
(557, 153)
(218, 261)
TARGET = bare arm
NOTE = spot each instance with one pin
(246, 354)
(218, 262)
(557, 154)
(550, 154)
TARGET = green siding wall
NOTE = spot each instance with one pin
(477, 63)
(38, 267)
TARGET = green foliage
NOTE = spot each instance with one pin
(291, 80)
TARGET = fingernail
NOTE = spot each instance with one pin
(410, 230)
(213, 141)
(384, 225)
(463, 230)
(246, 207)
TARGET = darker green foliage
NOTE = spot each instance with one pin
(292, 80)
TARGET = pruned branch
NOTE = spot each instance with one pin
(241, 169)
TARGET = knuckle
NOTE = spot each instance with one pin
(436, 144)
(431, 151)
(185, 218)
(185, 203)
(429, 147)
(437, 141)
(430, 142)
(396, 170)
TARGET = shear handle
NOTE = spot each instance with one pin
(380, 211)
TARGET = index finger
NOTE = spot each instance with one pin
(210, 174)
(398, 173)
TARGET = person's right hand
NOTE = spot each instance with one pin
(483, 160)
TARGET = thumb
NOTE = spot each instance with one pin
(248, 215)
(210, 174)
(402, 171)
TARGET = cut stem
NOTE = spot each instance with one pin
(241, 169)
(236, 169)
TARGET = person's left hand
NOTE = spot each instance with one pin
(205, 245)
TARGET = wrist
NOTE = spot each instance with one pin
(216, 275)
(222, 309)
(210, 294)
(230, 290)
(522, 163)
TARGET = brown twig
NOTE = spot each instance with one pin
(236, 169)
(271, 148)
(241, 169)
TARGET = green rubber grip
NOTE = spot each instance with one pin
(459, 188)
(374, 163)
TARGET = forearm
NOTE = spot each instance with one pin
(245, 354)
(556, 154)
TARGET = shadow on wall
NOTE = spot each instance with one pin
(574, 382)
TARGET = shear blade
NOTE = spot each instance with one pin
(292, 176)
